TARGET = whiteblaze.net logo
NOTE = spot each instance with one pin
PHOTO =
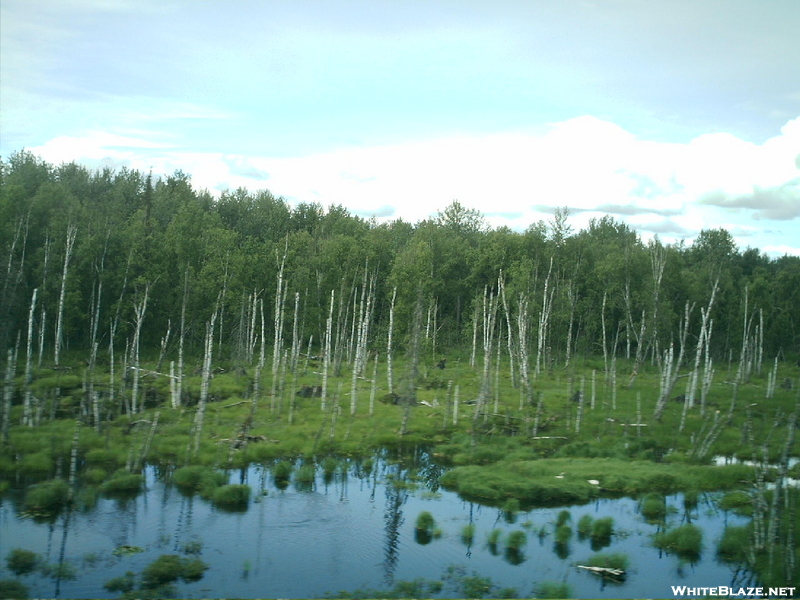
(732, 592)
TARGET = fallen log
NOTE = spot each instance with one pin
(605, 571)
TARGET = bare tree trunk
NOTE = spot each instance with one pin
(501, 284)
(26, 411)
(389, 381)
(701, 340)
(8, 391)
(543, 319)
(72, 231)
(140, 310)
(326, 358)
(204, 382)
(670, 376)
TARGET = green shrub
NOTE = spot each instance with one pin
(47, 497)
(231, 497)
(22, 562)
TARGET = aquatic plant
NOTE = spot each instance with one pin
(10, 588)
(602, 530)
(231, 497)
(564, 516)
(194, 548)
(738, 502)
(686, 541)
(690, 499)
(516, 539)
(615, 560)
(198, 478)
(732, 547)
(123, 482)
(425, 521)
(168, 568)
(653, 507)
(552, 589)
(585, 526)
(22, 562)
(510, 509)
(468, 534)
(563, 534)
(48, 497)
(282, 470)
(123, 583)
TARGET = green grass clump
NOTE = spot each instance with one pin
(686, 541)
(123, 483)
(516, 539)
(563, 518)
(306, 474)
(282, 471)
(168, 568)
(425, 521)
(585, 526)
(22, 562)
(468, 534)
(615, 560)
(48, 497)
(653, 507)
(231, 497)
(10, 588)
(602, 530)
(690, 499)
(122, 584)
(199, 479)
(732, 548)
(563, 534)
(739, 502)
(510, 509)
(553, 589)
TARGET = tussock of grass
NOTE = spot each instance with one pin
(123, 482)
(231, 497)
(653, 507)
(686, 541)
(48, 497)
(616, 560)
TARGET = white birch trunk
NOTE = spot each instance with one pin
(72, 231)
(389, 380)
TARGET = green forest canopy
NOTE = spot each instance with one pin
(134, 231)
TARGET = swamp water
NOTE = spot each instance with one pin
(353, 530)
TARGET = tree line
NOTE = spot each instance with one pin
(95, 259)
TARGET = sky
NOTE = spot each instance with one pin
(672, 116)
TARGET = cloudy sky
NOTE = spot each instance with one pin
(671, 115)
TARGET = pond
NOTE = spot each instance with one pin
(353, 530)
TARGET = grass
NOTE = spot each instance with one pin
(616, 560)
(686, 541)
(21, 562)
(553, 589)
(47, 498)
(585, 526)
(231, 497)
(123, 483)
(468, 534)
(653, 507)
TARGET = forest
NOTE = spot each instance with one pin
(143, 321)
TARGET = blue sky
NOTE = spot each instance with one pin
(671, 115)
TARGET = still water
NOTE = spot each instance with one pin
(352, 530)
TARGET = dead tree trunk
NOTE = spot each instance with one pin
(72, 231)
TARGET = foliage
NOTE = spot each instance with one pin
(614, 560)
(686, 541)
(10, 588)
(22, 562)
(232, 496)
(552, 589)
(48, 497)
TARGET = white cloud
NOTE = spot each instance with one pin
(588, 164)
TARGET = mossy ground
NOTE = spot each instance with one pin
(628, 460)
